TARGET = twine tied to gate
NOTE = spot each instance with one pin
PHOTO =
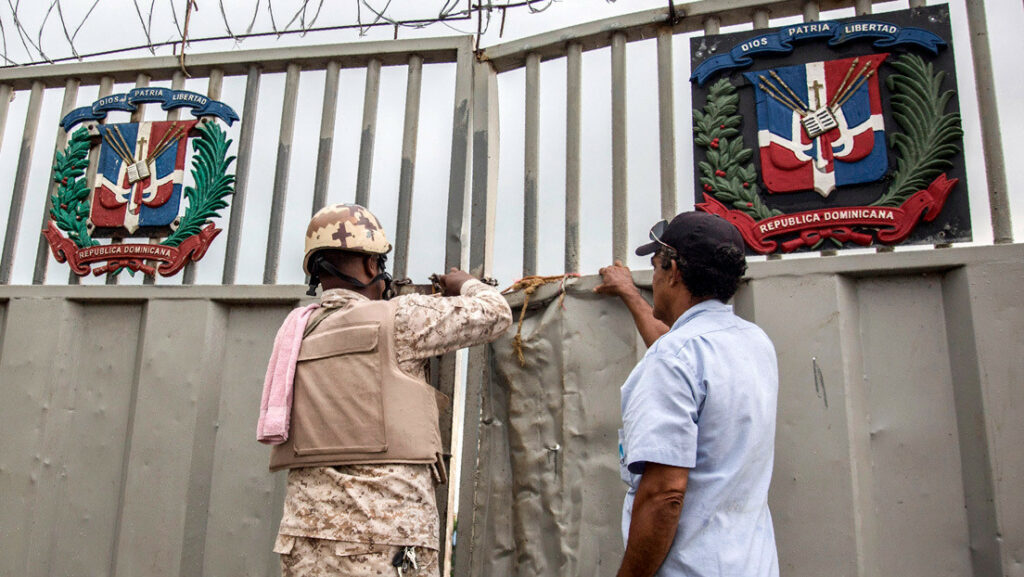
(529, 285)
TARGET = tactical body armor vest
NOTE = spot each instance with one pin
(351, 402)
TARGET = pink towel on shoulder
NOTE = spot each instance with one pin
(276, 405)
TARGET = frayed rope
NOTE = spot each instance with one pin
(529, 285)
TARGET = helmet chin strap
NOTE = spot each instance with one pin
(320, 265)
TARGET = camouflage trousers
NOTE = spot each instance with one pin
(305, 557)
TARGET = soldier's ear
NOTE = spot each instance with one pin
(370, 265)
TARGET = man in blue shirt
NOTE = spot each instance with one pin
(698, 412)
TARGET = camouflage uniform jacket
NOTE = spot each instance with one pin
(392, 504)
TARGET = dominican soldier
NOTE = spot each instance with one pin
(363, 446)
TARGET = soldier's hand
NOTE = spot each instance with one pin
(616, 281)
(452, 282)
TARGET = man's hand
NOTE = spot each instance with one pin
(452, 282)
(616, 281)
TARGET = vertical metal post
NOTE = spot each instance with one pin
(991, 138)
(6, 93)
(811, 11)
(760, 19)
(573, 131)
(177, 83)
(468, 405)
(328, 117)
(42, 249)
(530, 164)
(485, 168)
(106, 87)
(252, 94)
(667, 123)
(449, 369)
(712, 25)
(408, 169)
(620, 217)
(862, 7)
(369, 133)
(284, 160)
(923, 3)
(213, 88)
(28, 141)
(141, 81)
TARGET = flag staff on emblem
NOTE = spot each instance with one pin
(117, 147)
(775, 93)
(790, 91)
(854, 86)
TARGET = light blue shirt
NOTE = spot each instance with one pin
(704, 398)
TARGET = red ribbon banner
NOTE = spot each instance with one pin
(894, 223)
(131, 256)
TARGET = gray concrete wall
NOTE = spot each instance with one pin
(127, 428)
(900, 458)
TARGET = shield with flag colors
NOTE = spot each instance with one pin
(819, 124)
(139, 175)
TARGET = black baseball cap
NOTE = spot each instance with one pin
(693, 230)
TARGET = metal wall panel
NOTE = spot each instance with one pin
(128, 432)
(898, 421)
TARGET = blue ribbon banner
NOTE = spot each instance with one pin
(781, 41)
(166, 97)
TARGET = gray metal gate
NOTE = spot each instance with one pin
(130, 409)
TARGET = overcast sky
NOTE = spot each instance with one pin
(114, 24)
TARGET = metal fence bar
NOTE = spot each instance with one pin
(485, 168)
(177, 83)
(368, 135)
(862, 7)
(106, 87)
(620, 205)
(43, 248)
(666, 124)
(213, 89)
(28, 141)
(449, 368)
(251, 101)
(281, 169)
(760, 18)
(573, 131)
(141, 81)
(812, 12)
(328, 118)
(530, 164)
(712, 25)
(6, 90)
(991, 138)
(458, 182)
(919, 4)
(410, 134)
(485, 164)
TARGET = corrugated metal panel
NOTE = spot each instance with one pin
(898, 416)
(129, 435)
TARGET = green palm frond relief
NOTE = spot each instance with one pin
(930, 136)
(728, 173)
(70, 204)
(209, 171)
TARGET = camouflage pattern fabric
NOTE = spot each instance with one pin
(302, 557)
(393, 504)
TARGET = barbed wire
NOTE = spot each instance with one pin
(37, 42)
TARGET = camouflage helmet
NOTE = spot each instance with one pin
(344, 227)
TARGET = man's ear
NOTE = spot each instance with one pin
(675, 275)
(370, 265)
